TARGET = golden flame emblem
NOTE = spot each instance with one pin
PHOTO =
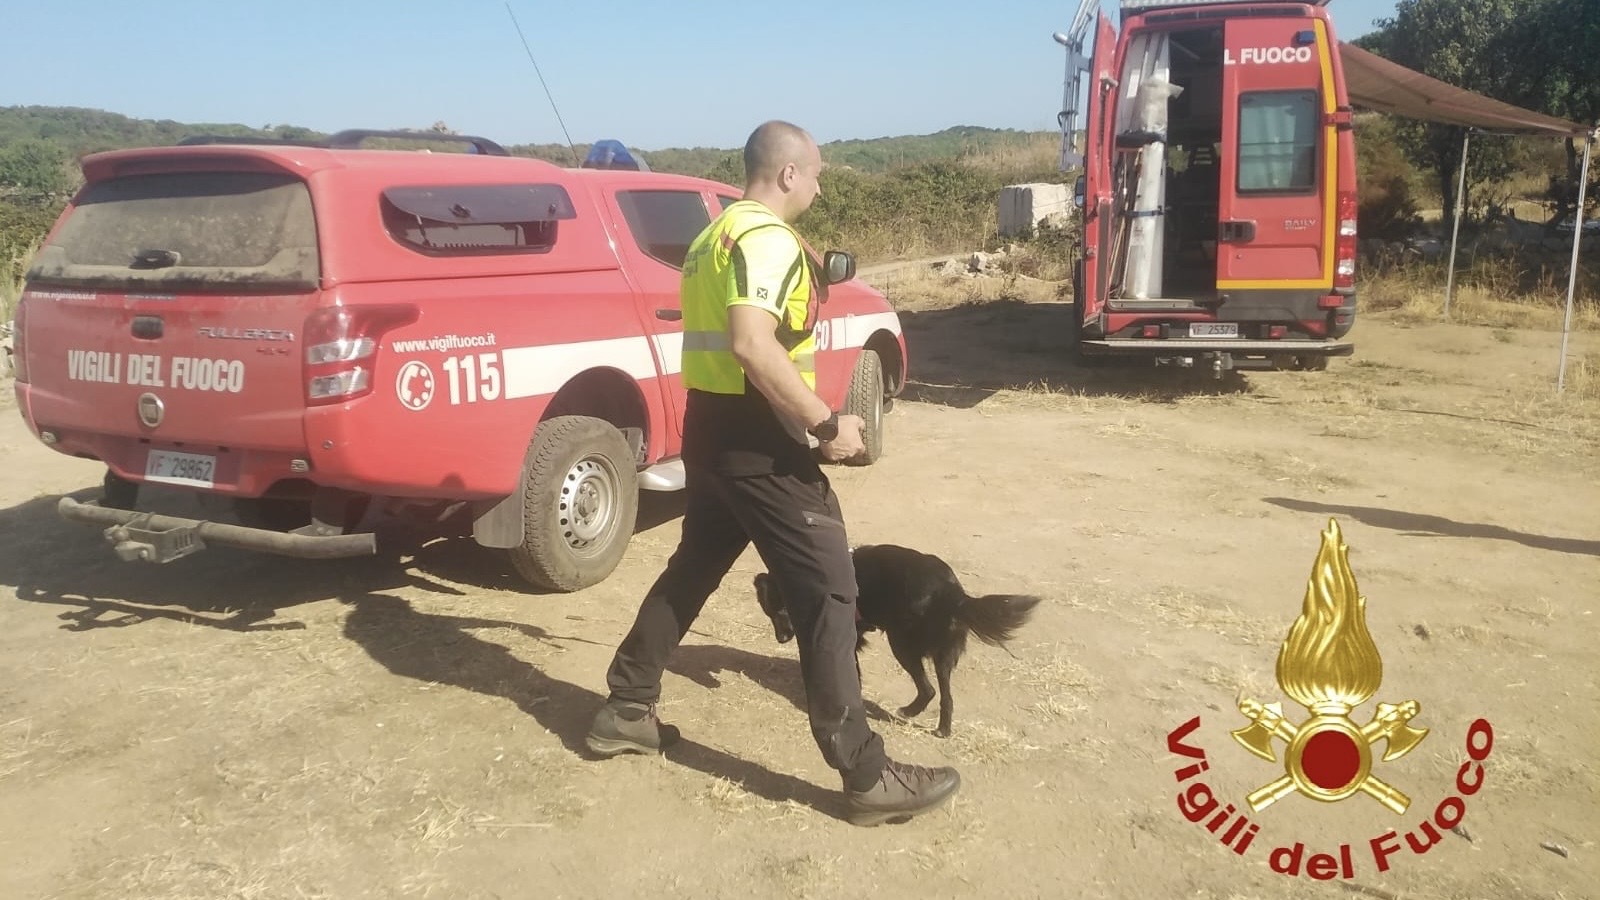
(1330, 665)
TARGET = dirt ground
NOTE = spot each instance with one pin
(235, 725)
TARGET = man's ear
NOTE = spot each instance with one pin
(786, 175)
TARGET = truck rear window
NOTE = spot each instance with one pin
(1278, 142)
(196, 230)
(476, 219)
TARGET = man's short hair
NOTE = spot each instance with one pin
(773, 145)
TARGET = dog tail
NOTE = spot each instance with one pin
(995, 618)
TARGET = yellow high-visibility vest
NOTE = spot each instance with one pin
(746, 257)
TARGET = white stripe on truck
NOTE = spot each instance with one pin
(543, 369)
(532, 371)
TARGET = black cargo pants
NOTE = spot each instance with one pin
(795, 522)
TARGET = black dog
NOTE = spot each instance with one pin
(922, 609)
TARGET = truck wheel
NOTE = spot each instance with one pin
(119, 492)
(580, 502)
(866, 400)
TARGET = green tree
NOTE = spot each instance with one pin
(1559, 51)
(34, 167)
(1468, 43)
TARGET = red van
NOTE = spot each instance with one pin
(1219, 188)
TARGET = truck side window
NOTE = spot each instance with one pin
(1278, 142)
(727, 201)
(664, 223)
(476, 219)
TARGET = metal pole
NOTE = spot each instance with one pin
(1572, 277)
(1455, 234)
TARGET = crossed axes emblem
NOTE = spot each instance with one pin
(1336, 735)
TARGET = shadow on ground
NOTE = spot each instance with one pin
(440, 649)
(60, 563)
(1423, 525)
(54, 561)
(963, 355)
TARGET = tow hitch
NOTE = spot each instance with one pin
(150, 537)
(133, 543)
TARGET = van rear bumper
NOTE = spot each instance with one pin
(149, 537)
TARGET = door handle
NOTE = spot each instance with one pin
(669, 315)
(147, 328)
(1236, 231)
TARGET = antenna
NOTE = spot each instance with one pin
(570, 145)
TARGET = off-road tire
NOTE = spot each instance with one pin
(118, 493)
(865, 399)
(580, 503)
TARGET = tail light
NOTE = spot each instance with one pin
(1344, 255)
(19, 341)
(342, 346)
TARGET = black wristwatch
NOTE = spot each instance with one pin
(827, 429)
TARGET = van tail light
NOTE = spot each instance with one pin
(19, 341)
(1344, 255)
(342, 348)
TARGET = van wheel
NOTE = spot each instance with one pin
(866, 400)
(580, 502)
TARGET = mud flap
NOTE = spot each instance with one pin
(499, 525)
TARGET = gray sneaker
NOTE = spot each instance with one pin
(626, 727)
(902, 791)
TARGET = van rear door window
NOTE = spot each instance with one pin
(476, 219)
(193, 230)
(1278, 142)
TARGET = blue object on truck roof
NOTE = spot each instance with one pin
(612, 154)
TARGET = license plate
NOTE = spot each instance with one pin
(170, 467)
(1213, 329)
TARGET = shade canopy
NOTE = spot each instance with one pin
(1379, 84)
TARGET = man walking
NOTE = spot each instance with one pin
(750, 302)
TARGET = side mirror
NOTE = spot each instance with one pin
(839, 266)
(1079, 189)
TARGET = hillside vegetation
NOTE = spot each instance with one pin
(923, 195)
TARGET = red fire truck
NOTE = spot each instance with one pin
(1218, 190)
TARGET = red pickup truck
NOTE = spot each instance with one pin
(321, 331)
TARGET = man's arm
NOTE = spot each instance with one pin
(755, 345)
(769, 264)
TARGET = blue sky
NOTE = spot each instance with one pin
(652, 74)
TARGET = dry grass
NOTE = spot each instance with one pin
(1242, 681)
(1178, 608)
(11, 287)
(923, 286)
(811, 875)
(982, 743)
(1490, 291)
(22, 745)
(1034, 153)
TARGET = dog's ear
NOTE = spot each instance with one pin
(764, 594)
(782, 630)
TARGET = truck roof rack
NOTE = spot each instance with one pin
(352, 138)
(195, 139)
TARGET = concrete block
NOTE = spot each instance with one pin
(1023, 206)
